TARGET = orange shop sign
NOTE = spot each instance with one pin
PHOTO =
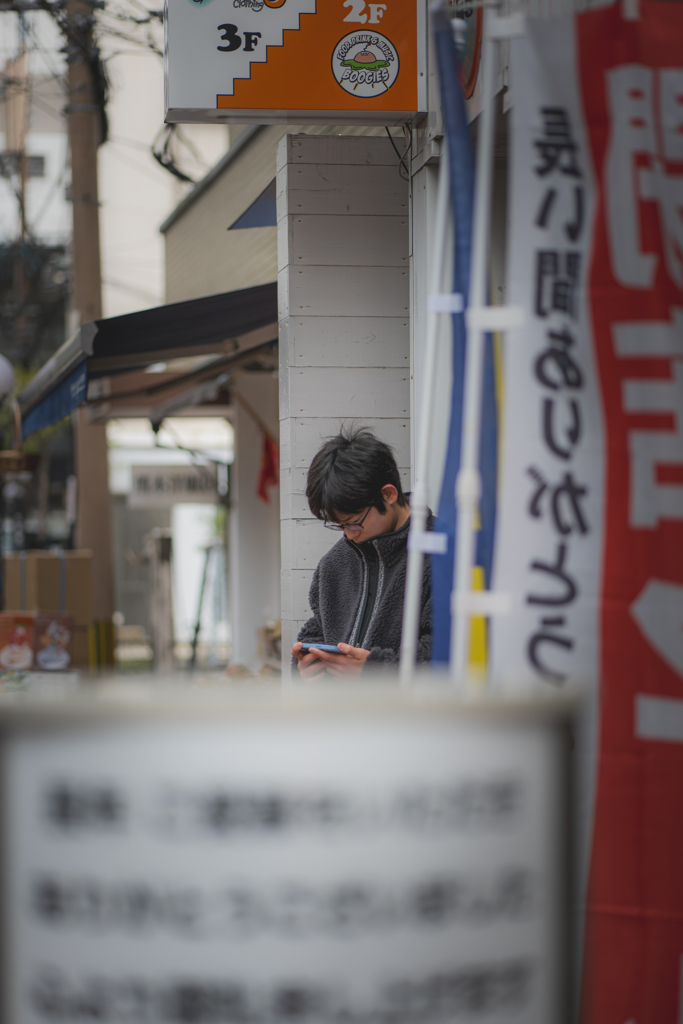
(295, 61)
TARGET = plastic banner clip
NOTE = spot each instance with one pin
(429, 543)
(446, 303)
(506, 26)
(495, 318)
(483, 602)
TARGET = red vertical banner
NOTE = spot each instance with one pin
(589, 535)
(631, 81)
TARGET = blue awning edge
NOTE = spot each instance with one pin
(42, 400)
(59, 402)
(262, 213)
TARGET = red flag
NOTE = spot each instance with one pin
(269, 474)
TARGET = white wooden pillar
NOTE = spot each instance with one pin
(254, 546)
(343, 286)
(424, 191)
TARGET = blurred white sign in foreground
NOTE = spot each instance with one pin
(358, 870)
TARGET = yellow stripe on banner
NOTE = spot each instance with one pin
(102, 642)
(478, 661)
(498, 373)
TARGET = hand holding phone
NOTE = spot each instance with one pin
(332, 648)
(310, 661)
(314, 660)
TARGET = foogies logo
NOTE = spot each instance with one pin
(365, 64)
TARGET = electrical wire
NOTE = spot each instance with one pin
(124, 158)
(402, 165)
(57, 75)
(161, 151)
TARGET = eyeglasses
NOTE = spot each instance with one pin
(347, 526)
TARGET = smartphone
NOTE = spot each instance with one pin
(321, 647)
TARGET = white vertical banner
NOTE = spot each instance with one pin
(550, 507)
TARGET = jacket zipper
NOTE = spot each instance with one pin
(380, 584)
(361, 607)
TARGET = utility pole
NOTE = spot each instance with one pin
(93, 525)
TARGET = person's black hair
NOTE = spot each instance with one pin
(348, 474)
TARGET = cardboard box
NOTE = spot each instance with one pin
(36, 640)
(39, 581)
(81, 647)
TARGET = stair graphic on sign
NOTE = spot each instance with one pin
(212, 44)
(266, 33)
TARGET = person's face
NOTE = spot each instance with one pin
(371, 522)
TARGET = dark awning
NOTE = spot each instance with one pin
(226, 325)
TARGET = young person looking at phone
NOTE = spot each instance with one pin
(357, 590)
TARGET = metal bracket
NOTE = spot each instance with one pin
(429, 543)
(506, 26)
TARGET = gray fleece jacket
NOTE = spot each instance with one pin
(339, 596)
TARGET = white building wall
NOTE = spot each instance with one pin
(48, 211)
(254, 555)
(343, 258)
(202, 256)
